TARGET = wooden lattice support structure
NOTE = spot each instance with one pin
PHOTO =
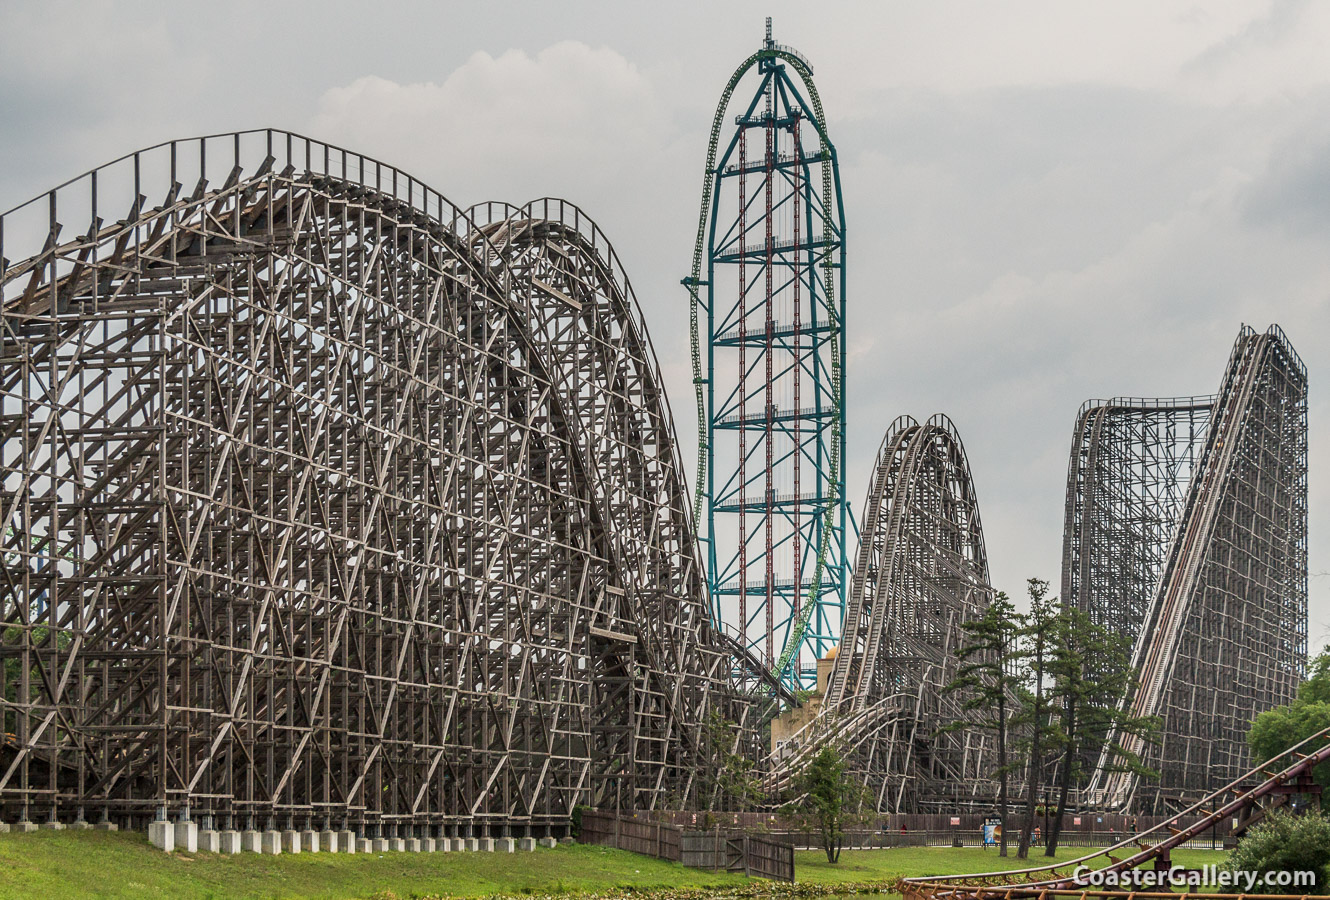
(921, 572)
(326, 501)
(1186, 531)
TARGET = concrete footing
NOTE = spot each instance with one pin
(428, 845)
(187, 837)
(397, 845)
(309, 841)
(484, 845)
(328, 841)
(209, 841)
(79, 825)
(251, 841)
(346, 842)
(106, 826)
(526, 843)
(161, 835)
(53, 825)
(503, 845)
(379, 845)
(25, 826)
(290, 841)
(473, 845)
(364, 845)
(272, 842)
(228, 842)
(548, 842)
(413, 845)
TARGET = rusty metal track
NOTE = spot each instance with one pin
(1288, 772)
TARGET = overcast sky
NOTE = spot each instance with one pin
(1045, 201)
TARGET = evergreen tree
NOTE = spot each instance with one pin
(1090, 674)
(1033, 718)
(985, 677)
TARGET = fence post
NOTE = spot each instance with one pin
(747, 853)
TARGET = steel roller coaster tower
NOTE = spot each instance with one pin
(768, 275)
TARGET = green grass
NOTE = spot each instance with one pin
(97, 864)
(857, 866)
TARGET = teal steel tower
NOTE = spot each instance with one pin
(767, 289)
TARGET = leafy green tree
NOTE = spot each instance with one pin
(1285, 842)
(1090, 671)
(1283, 727)
(830, 801)
(729, 780)
(985, 677)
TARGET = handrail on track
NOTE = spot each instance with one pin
(1304, 758)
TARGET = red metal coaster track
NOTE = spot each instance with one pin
(1277, 779)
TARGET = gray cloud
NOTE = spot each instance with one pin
(1046, 201)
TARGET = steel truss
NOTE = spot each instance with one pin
(326, 501)
(922, 571)
(771, 399)
(1186, 529)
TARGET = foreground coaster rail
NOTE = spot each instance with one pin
(1282, 776)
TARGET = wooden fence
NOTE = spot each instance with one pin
(716, 850)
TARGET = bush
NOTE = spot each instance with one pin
(577, 819)
(1285, 842)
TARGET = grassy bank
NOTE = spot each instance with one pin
(908, 862)
(98, 864)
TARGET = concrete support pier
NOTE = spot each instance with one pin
(228, 842)
(272, 842)
(161, 834)
(187, 836)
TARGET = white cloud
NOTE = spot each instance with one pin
(509, 127)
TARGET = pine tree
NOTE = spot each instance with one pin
(1090, 674)
(985, 678)
(1033, 718)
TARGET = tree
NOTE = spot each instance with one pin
(1090, 672)
(1283, 727)
(728, 781)
(830, 801)
(1035, 634)
(1284, 842)
(985, 677)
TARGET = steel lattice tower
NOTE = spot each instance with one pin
(771, 401)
